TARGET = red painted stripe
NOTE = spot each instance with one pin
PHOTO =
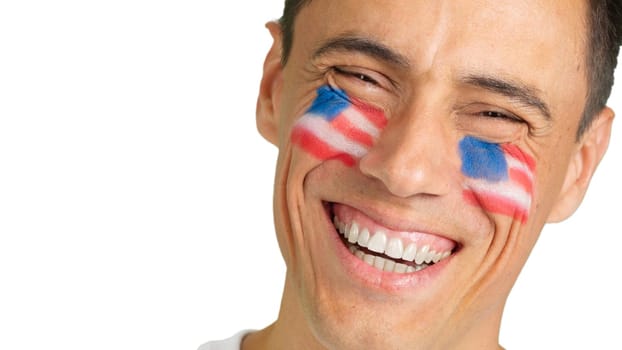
(496, 204)
(517, 153)
(349, 130)
(519, 177)
(318, 148)
(374, 115)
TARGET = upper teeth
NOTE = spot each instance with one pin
(393, 247)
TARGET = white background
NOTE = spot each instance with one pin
(135, 193)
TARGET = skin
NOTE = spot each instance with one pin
(338, 127)
(499, 177)
(433, 95)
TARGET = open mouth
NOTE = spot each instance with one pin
(385, 249)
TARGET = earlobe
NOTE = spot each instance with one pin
(588, 155)
(268, 101)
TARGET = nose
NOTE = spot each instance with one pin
(412, 156)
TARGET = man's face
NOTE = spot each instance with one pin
(423, 145)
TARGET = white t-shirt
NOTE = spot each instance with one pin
(232, 343)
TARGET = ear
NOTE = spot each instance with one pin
(268, 102)
(588, 154)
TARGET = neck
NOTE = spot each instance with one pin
(292, 331)
(289, 331)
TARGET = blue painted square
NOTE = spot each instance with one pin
(483, 160)
(329, 102)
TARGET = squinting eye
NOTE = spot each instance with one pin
(360, 76)
(365, 78)
(499, 115)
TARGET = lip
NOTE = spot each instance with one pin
(374, 279)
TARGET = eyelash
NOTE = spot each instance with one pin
(500, 115)
(359, 76)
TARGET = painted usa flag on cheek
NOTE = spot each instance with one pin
(499, 177)
(337, 127)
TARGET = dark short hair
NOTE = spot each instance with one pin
(604, 23)
(604, 37)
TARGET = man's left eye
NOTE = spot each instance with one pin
(500, 115)
(357, 75)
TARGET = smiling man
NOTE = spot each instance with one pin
(422, 146)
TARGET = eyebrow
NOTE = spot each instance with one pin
(363, 45)
(522, 93)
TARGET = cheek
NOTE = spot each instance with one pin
(498, 178)
(336, 127)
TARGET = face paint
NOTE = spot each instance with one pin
(336, 126)
(499, 177)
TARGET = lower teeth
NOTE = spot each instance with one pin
(384, 264)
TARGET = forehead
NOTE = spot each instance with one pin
(540, 42)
